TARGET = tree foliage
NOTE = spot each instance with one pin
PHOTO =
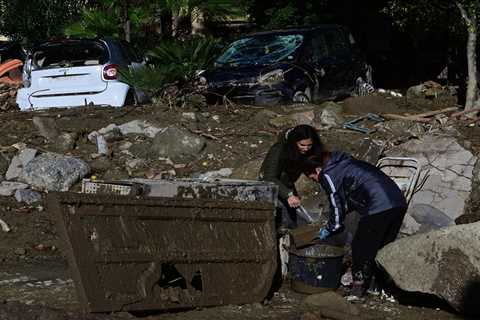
(39, 20)
(107, 18)
(427, 16)
(278, 14)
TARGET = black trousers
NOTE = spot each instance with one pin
(373, 233)
(287, 216)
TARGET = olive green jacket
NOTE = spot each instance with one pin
(277, 168)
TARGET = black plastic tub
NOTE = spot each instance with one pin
(316, 268)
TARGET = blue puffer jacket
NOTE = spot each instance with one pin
(353, 184)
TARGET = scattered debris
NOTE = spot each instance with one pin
(354, 124)
(426, 117)
(4, 225)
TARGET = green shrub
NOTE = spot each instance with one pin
(152, 79)
(173, 62)
(185, 57)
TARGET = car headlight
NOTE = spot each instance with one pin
(272, 77)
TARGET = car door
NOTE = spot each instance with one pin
(341, 64)
(323, 66)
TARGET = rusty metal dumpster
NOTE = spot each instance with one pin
(130, 253)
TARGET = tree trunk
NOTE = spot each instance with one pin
(472, 69)
(126, 21)
(471, 22)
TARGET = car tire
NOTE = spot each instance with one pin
(131, 99)
(304, 96)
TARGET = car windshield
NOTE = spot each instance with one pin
(75, 54)
(261, 50)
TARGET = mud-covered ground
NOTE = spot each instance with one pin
(34, 277)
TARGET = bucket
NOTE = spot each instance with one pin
(316, 268)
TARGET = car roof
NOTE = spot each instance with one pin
(304, 29)
(56, 42)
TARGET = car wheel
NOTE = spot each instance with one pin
(302, 96)
(131, 99)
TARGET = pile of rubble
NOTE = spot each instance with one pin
(8, 94)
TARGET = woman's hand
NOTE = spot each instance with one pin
(293, 201)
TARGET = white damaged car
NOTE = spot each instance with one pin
(71, 73)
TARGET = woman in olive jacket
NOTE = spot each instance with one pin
(282, 165)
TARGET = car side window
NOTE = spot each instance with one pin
(336, 42)
(319, 48)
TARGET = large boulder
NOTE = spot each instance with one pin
(177, 144)
(445, 183)
(54, 172)
(443, 262)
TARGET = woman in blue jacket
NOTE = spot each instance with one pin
(352, 184)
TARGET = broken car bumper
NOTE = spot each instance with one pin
(114, 95)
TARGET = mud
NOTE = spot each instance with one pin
(35, 276)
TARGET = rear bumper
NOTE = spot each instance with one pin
(114, 95)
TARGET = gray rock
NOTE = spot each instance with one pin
(108, 129)
(28, 196)
(294, 119)
(125, 145)
(66, 141)
(217, 174)
(443, 262)
(142, 150)
(139, 127)
(331, 300)
(415, 91)
(264, 116)
(4, 164)
(369, 150)
(54, 172)
(328, 115)
(19, 162)
(20, 251)
(8, 188)
(282, 122)
(189, 116)
(304, 117)
(448, 168)
(177, 144)
(248, 170)
(430, 218)
(46, 127)
(402, 128)
(100, 164)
